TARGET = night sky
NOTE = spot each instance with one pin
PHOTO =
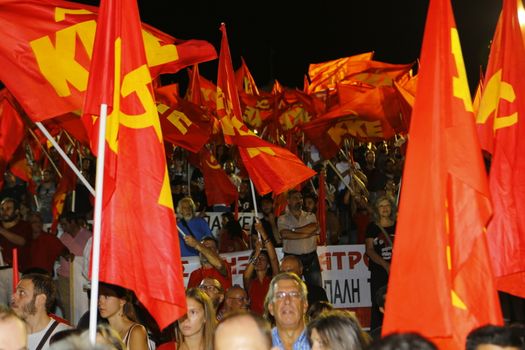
(278, 39)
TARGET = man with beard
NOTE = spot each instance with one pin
(32, 301)
(191, 225)
(212, 265)
(14, 233)
(287, 303)
(299, 230)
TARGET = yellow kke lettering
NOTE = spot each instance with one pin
(57, 62)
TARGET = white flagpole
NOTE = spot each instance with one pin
(65, 157)
(97, 224)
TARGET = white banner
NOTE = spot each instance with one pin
(214, 221)
(344, 269)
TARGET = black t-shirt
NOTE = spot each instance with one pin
(381, 244)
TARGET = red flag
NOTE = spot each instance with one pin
(244, 80)
(321, 208)
(218, 187)
(184, 124)
(502, 133)
(12, 131)
(48, 71)
(20, 167)
(139, 241)
(325, 75)
(441, 282)
(271, 168)
(66, 184)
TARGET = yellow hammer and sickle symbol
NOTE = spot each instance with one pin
(493, 92)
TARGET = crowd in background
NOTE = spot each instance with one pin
(362, 185)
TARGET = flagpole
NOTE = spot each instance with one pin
(65, 157)
(256, 214)
(97, 224)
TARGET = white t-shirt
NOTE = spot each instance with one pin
(33, 339)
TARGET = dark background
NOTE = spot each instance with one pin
(278, 39)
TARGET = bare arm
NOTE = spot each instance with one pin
(305, 231)
(138, 339)
(274, 261)
(213, 258)
(369, 242)
(12, 237)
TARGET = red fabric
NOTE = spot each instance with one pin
(71, 123)
(66, 184)
(201, 273)
(257, 294)
(441, 283)
(184, 124)
(12, 131)
(217, 185)
(324, 75)
(244, 80)
(22, 229)
(42, 252)
(167, 346)
(271, 168)
(49, 76)
(19, 166)
(502, 133)
(139, 241)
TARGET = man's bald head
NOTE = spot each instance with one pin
(243, 331)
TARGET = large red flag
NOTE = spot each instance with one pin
(48, 71)
(502, 133)
(271, 168)
(12, 131)
(218, 187)
(139, 241)
(441, 281)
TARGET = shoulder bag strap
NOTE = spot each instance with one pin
(47, 335)
(387, 236)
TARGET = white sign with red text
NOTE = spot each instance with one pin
(344, 269)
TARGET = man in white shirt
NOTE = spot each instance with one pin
(33, 300)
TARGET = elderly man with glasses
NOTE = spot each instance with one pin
(287, 303)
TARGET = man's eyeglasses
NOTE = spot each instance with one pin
(283, 295)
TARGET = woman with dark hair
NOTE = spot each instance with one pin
(115, 305)
(379, 241)
(232, 236)
(263, 265)
(336, 330)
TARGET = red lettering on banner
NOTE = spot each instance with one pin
(339, 259)
(353, 259)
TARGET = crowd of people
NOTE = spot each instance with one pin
(286, 323)
(280, 304)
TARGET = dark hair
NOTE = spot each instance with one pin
(63, 334)
(121, 293)
(16, 204)
(291, 193)
(210, 238)
(71, 216)
(317, 308)
(232, 226)
(339, 330)
(403, 341)
(43, 284)
(494, 335)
